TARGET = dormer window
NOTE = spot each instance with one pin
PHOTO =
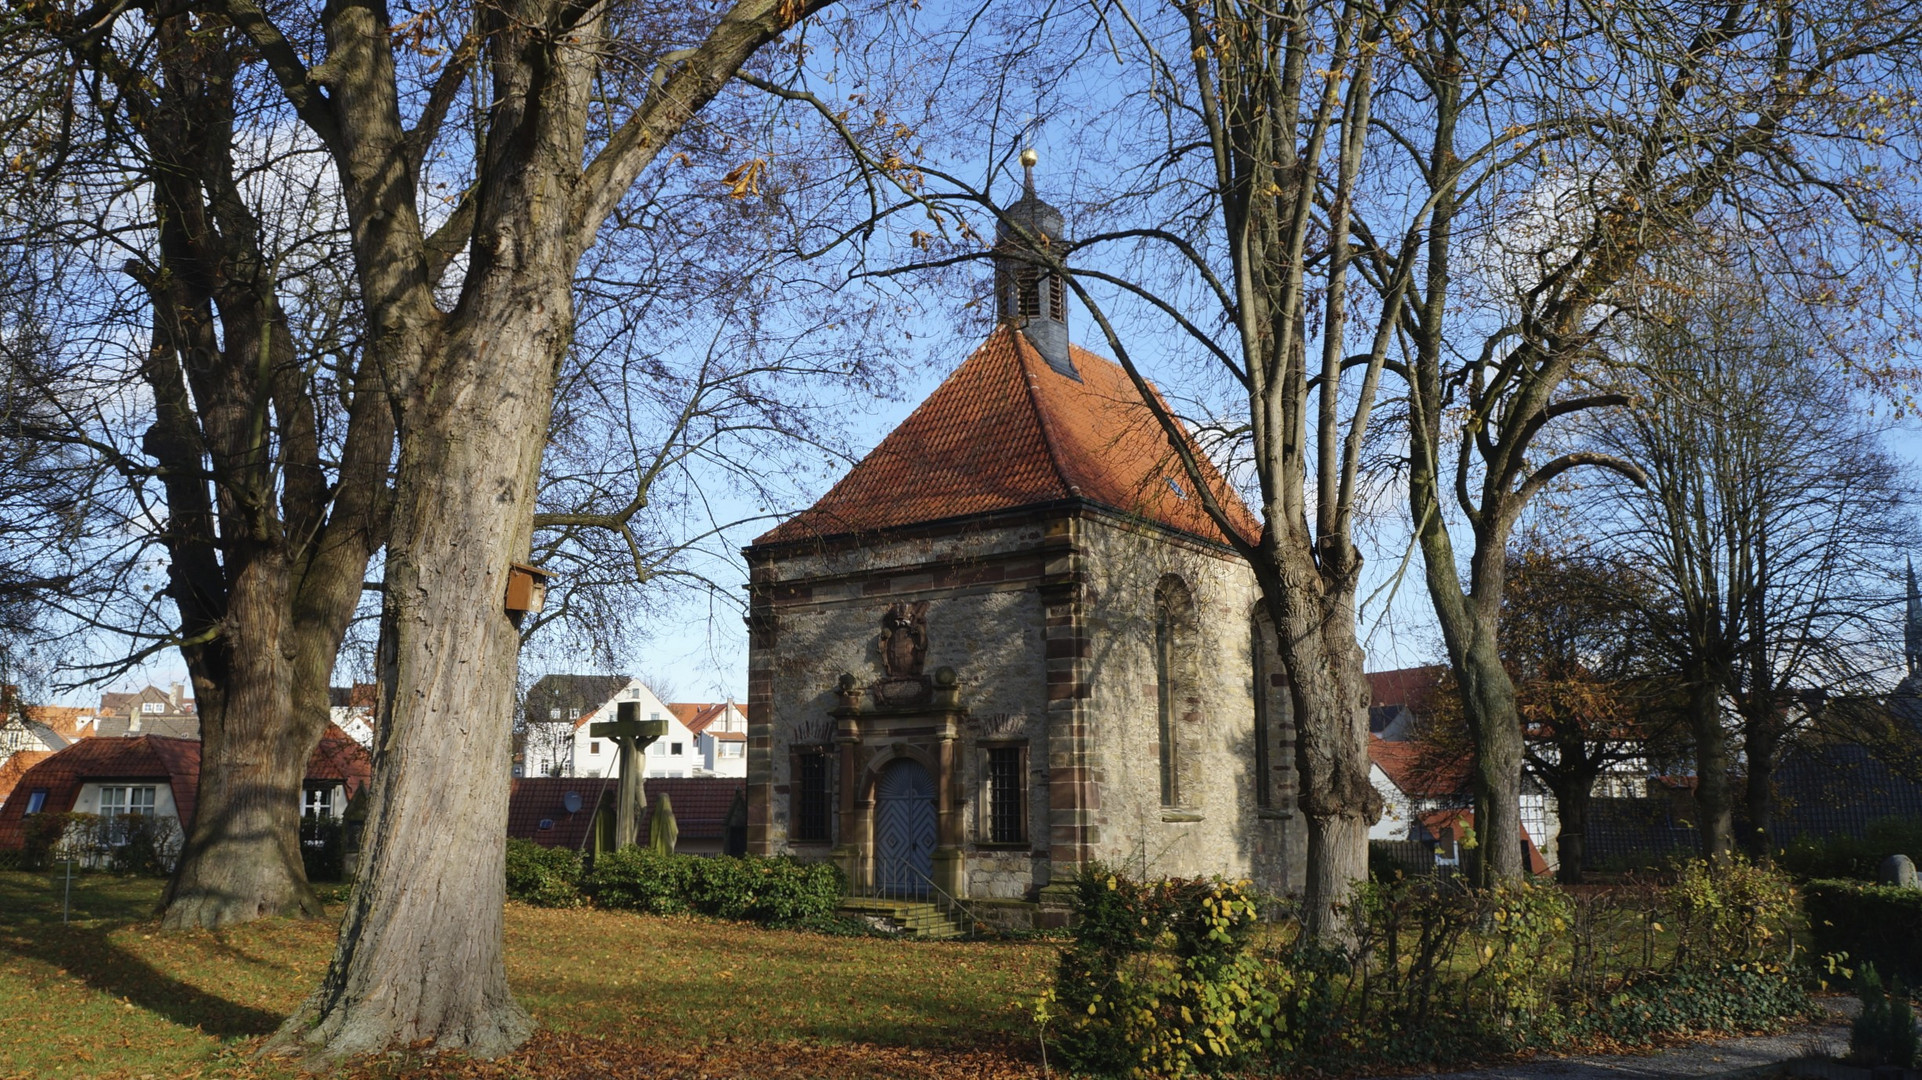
(152, 707)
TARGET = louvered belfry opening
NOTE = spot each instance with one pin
(1027, 294)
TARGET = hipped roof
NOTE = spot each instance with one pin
(1005, 431)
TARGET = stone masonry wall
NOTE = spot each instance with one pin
(1215, 826)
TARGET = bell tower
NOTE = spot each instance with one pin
(1027, 295)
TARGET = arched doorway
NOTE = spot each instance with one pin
(903, 830)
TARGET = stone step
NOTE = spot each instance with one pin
(914, 918)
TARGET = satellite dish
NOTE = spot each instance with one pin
(572, 800)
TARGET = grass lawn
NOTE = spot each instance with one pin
(615, 994)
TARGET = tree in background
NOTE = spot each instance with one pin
(1586, 689)
(1765, 537)
(1563, 154)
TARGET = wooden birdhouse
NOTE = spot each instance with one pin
(526, 588)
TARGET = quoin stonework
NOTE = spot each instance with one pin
(1011, 641)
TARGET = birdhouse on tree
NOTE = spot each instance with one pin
(526, 588)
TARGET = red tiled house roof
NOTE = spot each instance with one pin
(696, 716)
(1410, 686)
(1419, 768)
(700, 803)
(161, 759)
(534, 799)
(16, 766)
(700, 806)
(1006, 431)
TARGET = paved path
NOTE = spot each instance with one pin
(1830, 1037)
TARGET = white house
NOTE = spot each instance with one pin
(720, 732)
(560, 710)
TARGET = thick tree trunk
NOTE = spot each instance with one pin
(1761, 751)
(1714, 818)
(403, 971)
(1329, 691)
(241, 859)
(1494, 722)
(1571, 844)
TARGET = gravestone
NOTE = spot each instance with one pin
(1898, 870)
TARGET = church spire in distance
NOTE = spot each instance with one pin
(1912, 629)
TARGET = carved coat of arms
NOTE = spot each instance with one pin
(904, 639)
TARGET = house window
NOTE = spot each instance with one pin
(554, 714)
(1005, 775)
(732, 749)
(811, 797)
(593, 748)
(319, 803)
(36, 800)
(118, 801)
(152, 707)
(676, 751)
(1173, 649)
(573, 714)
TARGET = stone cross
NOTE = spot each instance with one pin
(633, 736)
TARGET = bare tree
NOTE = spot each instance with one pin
(1563, 150)
(1766, 534)
(262, 467)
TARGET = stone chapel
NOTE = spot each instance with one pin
(1010, 641)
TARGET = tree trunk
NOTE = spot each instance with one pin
(1761, 751)
(1329, 691)
(404, 971)
(241, 859)
(1572, 797)
(1712, 810)
(1488, 700)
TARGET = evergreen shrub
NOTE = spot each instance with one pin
(1884, 1032)
(543, 876)
(1856, 856)
(777, 891)
(1872, 924)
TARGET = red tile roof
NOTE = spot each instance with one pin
(1410, 686)
(156, 757)
(700, 806)
(16, 766)
(1418, 768)
(1005, 431)
(534, 799)
(63, 719)
(696, 716)
(700, 803)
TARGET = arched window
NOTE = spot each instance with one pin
(1265, 662)
(1174, 650)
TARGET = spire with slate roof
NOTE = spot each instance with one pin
(1027, 296)
(1912, 629)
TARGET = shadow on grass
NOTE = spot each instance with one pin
(88, 954)
(30, 927)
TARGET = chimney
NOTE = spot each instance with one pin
(173, 695)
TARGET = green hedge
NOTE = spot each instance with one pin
(1873, 924)
(779, 891)
(1856, 857)
(543, 876)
